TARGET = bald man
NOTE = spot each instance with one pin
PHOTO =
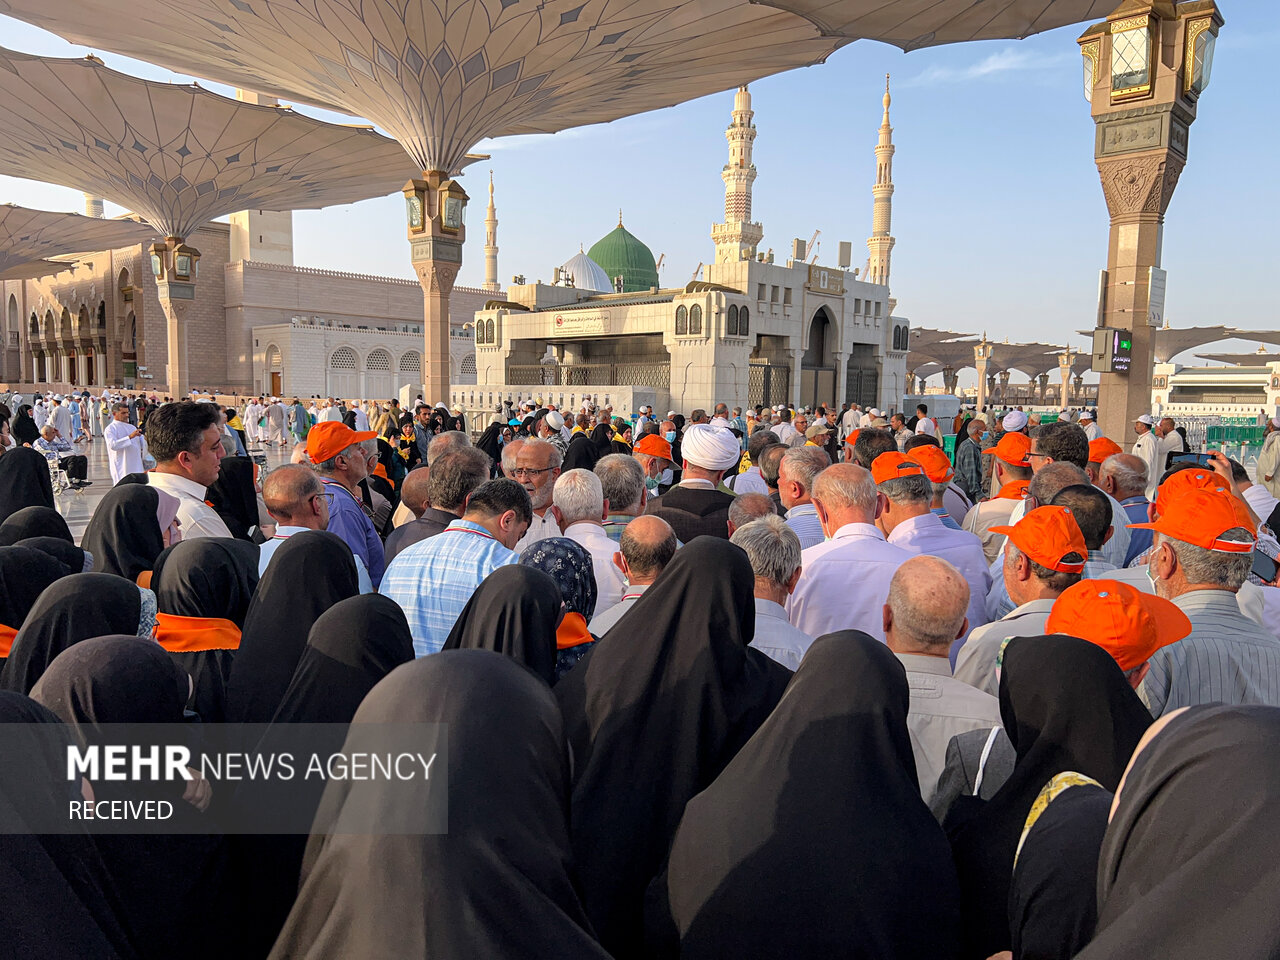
(747, 507)
(924, 614)
(647, 545)
(297, 501)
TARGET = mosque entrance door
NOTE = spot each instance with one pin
(817, 368)
(862, 381)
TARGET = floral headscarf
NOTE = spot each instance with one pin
(569, 564)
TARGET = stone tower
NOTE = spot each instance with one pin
(736, 239)
(491, 243)
(265, 236)
(880, 244)
(93, 206)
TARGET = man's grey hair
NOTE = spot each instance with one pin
(330, 465)
(909, 490)
(454, 475)
(922, 612)
(445, 442)
(554, 457)
(1129, 472)
(772, 547)
(48, 430)
(839, 488)
(804, 464)
(747, 507)
(622, 479)
(511, 450)
(1053, 478)
(119, 405)
(1226, 570)
(972, 426)
(578, 495)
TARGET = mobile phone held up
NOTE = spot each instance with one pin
(1199, 459)
(1264, 568)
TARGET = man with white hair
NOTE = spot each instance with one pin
(537, 465)
(580, 507)
(923, 615)
(1090, 427)
(622, 482)
(695, 507)
(845, 578)
(796, 474)
(774, 551)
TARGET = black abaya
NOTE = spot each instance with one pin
(234, 496)
(653, 713)
(34, 522)
(352, 646)
(60, 902)
(804, 845)
(208, 577)
(24, 429)
(309, 573)
(24, 574)
(514, 611)
(1190, 862)
(72, 609)
(24, 481)
(499, 883)
(1065, 705)
(172, 886)
(124, 532)
(581, 453)
(67, 554)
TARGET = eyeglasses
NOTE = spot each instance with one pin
(528, 473)
(326, 497)
(1032, 453)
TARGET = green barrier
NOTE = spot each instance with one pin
(949, 445)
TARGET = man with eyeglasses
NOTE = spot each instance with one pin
(336, 456)
(537, 467)
(297, 501)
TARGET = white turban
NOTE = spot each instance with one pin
(1014, 420)
(712, 448)
(1275, 422)
(554, 420)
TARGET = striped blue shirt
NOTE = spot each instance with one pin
(1228, 658)
(433, 579)
(803, 519)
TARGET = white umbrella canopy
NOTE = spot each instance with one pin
(442, 75)
(29, 237)
(176, 154)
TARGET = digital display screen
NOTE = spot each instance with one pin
(1121, 350)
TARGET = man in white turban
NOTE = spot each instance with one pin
(696, 506)
(1015, 421)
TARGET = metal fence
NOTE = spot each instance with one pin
(768, 383)
(656, 375)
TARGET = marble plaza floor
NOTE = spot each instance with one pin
(78, 507)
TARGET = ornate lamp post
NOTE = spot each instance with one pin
(1145, 67)
(436, 209)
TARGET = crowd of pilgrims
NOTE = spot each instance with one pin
(673, 788)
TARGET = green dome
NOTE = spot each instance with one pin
(622, 255)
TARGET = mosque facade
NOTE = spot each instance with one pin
(750, 330)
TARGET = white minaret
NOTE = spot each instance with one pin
(736, 239)
(880, 244)
(491, 243)
(93, 206)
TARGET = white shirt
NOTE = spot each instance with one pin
(941, 707)
(749, 481)
(362, 420)
(925, 534)
(1260, 500)
(1147, 450)
(267, 550)
(976, 663)
(124, 452)
(776, 637)
(927, 426)
(602, 623)
(331, 414)
(198, 518)
(60, 417)
(785, 432)
(845, 582)
(609, 582)
(540, 528)
(1091, 429)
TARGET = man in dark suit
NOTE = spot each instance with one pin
(695, 507)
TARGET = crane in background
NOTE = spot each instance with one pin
(811, 248)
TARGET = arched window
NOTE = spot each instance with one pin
(411, 363)
(344, 358)
(379, 360)
(489, 336)
(732, 326)
(33, 328)
(744, 325)
(695, 321)
(102, 313)
(479, 331)
(682, 321)
(469, 365)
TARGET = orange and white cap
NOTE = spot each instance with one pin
(1126, 622)
(1048, 535)
(1200, 518)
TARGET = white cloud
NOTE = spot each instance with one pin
(1004, 61)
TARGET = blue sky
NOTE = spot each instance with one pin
(999, 216)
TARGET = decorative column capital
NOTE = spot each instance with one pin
(436, 277)
(1144, 184)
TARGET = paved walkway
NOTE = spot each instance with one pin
(78, 507)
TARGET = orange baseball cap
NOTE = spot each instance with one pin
(1012, 449)
(1127, 623)
(936, 464)
(653, 445)
(892, 465)
(1200, 518)
(852, 438)
(329, 438)
(1047, 535)
(1184, 482)
(1102, 448)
